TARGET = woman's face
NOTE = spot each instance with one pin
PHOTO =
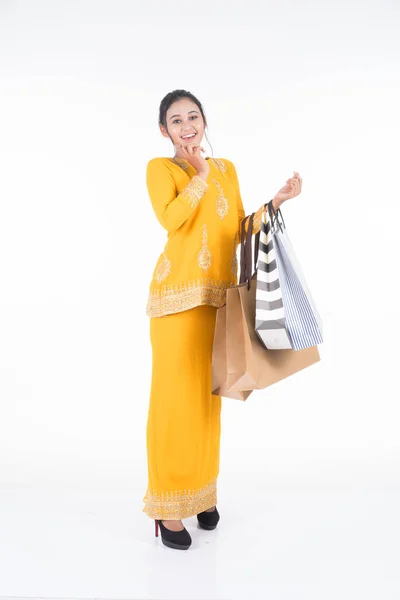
(183, 118)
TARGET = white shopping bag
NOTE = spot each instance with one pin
(291, 320)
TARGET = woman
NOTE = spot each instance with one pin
(197, 200)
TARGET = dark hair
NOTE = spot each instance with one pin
(172, 97)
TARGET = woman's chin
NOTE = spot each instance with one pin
(185, 143)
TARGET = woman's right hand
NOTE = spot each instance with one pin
(191, 153)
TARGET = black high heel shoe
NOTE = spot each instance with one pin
(208, 520)
(180, 540)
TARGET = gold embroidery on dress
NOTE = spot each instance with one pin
(181, 162)
(184, 163)
(257, 220)
(174, 298)
(204, 256)
(222, 202)
(194, 190)
(180, 504)
(163, 268)
(220, 164)
(234, 264)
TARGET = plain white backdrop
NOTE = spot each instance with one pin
(309, 486)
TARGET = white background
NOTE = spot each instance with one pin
(309, 485)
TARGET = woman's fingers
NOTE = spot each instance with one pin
(298, 178)
(295, 183)
(192, 149)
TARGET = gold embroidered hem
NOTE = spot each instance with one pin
(176, 298)
(180, 504)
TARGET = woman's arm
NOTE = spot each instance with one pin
(172, 209)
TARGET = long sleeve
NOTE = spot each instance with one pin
(172, 209)
(241, 212)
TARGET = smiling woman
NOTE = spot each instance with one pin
(197, 201)
(193, 120)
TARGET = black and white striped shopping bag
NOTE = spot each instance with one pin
(290, 318)
(270, 322)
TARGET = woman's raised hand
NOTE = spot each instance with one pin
(291, 189)
(191, 153)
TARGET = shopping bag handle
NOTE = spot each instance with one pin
(242, 255)
(245, 250)
(246, 266)
(257, 244)
(274, 216)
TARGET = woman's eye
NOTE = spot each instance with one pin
(192, 117)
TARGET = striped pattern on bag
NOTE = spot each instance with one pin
(270, 313)
(301, 320)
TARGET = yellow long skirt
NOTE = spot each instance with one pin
(183, 425)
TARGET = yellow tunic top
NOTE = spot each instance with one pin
(203, 220)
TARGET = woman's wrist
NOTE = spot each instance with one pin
(276, 204)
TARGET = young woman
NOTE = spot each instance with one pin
(197, 200)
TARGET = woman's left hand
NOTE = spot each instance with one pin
(291, 189)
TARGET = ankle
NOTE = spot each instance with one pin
(173, 524)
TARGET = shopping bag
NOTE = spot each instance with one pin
(249, 364)
(241, 362)
(286, 314)
(220, 379)
(223, 377)
(285, 249)
(270, 316)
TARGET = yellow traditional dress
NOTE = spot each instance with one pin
(198, 263)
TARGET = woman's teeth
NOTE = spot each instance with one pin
(186, 137)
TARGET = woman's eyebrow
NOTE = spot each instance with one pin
(190, 111)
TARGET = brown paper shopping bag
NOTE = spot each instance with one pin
(250, 365)
(220, 377)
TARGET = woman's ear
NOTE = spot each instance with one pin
(164, 131)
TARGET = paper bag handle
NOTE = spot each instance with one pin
(245, 250)
(246, 242)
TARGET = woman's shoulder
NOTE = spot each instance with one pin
(158, 166)
(159, 160)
